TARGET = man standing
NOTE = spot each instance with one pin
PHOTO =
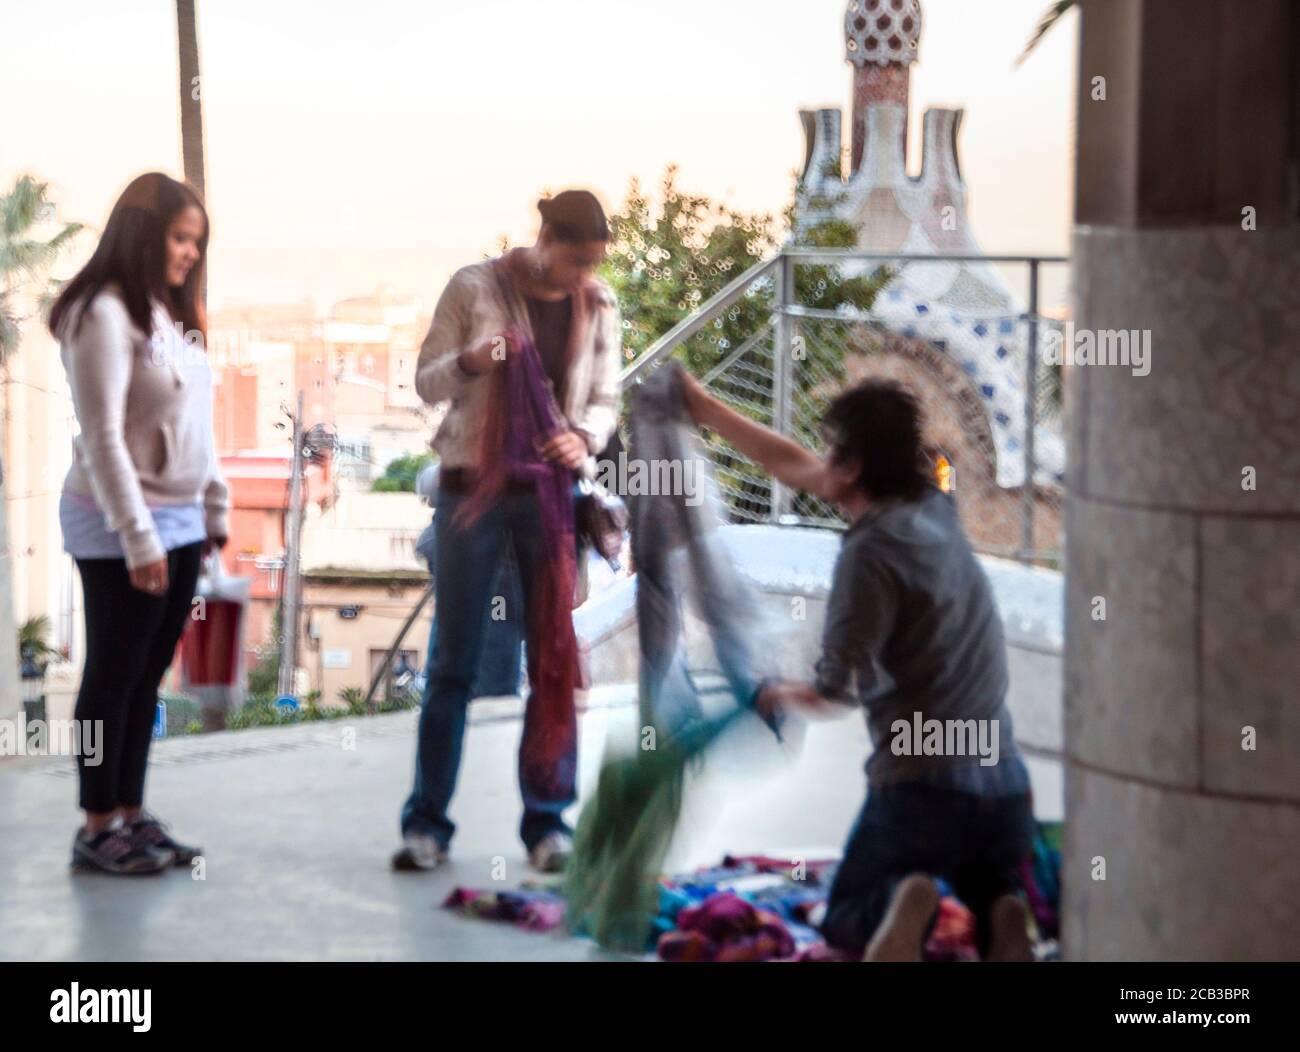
(572, 319)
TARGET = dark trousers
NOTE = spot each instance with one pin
(131, 638)
(468, 560)
(975, 843)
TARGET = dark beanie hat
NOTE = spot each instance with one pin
(575, 216)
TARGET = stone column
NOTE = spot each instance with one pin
(1183, 703)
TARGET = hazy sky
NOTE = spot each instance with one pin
(386, 141)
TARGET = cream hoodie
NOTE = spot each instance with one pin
(144, 406)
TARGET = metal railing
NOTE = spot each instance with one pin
(767, 345)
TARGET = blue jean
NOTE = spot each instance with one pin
(467, 576)
(500, 669)
(975, 843)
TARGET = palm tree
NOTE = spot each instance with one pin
(24, 262)
(34, 640)
(1050, 17)
(187, 40)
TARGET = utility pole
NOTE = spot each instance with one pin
(292, 564)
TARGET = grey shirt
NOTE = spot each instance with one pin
(913, 635)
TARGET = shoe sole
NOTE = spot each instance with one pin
(551, 866)
(404, 862)
(172, 858)
(901, 932)
(1009, 922)
(82, 865)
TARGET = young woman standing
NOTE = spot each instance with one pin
(144, 498)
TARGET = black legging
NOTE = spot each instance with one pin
(131, 638)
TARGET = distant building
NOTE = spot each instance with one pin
(355, 365)
(259, 492)
(374, 342)
(361, 579)
(954, 331)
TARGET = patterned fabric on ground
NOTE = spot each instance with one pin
(535, 909)
(953, 937)
(754, 908)
(776, 898)
(701, 922)
(1042, 878)
(726, 927)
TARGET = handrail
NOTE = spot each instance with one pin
(700, 317)
(786, 313)
(704, 313)
(844, 255)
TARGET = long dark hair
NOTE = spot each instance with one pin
(132, 253)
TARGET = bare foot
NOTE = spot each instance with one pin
(901, 934)
(1009, 921)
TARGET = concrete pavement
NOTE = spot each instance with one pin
(298, 829)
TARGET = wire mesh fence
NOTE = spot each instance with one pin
(994, 421)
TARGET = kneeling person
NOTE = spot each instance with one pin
(912, 635)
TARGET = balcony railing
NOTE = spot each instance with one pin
(768, 345)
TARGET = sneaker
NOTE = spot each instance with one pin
(1009, 930)
(113, 851)
(149, 831)
(419, 853)
(901, 935)
(551, 853)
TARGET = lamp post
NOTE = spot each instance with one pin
(33, 685)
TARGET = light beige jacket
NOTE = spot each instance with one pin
(472, 309)
(144, 405)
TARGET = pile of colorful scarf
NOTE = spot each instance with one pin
(531, 908)
(753, 908)
(725, 927)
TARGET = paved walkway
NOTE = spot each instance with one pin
(298, 831)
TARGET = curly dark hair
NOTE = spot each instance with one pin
(879, 423)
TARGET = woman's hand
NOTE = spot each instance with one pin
(487, 355)
(568, 447)
(150, 578)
